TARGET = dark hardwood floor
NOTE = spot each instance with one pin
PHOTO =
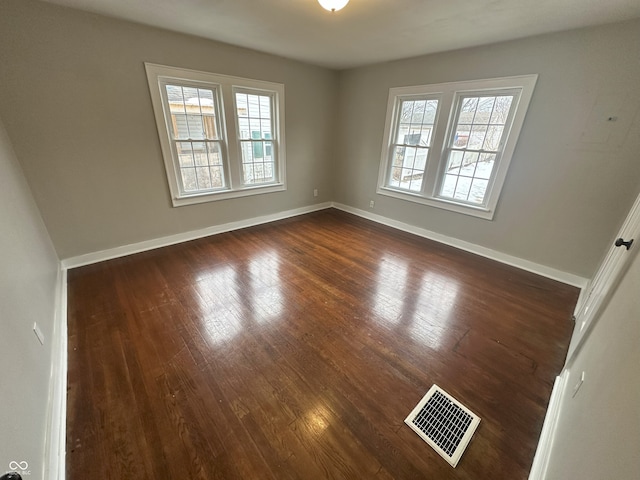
(295, 350)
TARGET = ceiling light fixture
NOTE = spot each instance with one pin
(333, 5)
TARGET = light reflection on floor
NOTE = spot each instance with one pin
(317, 419)
(266, 286)
(388, 302)
(231, 297)
(424, 317)
(220, 303)
(435, 304)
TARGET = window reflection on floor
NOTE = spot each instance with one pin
(220, 302)
(388, 301)
(435, 303)
(233, 297)
(266, 286)
(423, 316)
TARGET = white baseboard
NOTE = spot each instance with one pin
(543, 452)
(130, 249)
(543, 270)
(55, 446)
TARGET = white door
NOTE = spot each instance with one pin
(606, 278)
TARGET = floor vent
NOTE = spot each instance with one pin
(444, 423)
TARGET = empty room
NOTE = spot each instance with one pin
(342, 239)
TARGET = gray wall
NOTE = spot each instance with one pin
(566, 193)
(27, 295)
(77, 108)
(598, 431)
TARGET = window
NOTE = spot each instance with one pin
(254, 114)
(449, 145)
(221, 136)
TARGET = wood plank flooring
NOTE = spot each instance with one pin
(295, 350)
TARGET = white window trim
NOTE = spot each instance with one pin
(447, 93)
(230, 140)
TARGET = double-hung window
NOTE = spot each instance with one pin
(221, 136)
(449, 145)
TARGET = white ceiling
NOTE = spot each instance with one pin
(365, 31)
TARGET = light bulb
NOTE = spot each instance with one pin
(333, 5)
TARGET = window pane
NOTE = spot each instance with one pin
(501, 110)
(415, 185)
(467, 110)
(408, 165)
(449, 186)
(175, 98)
(257, 161)
(207, 158)
(217, 177)
(492, 140)
(189, 183)
(243, 125)
(431, 108)
(476, 137)
(412, 139)
(254, 106)
(204, 179)
(185, 154)
(483, 112)
(179, 126)
(455, 162)
(256, 124)
(242, 107)
(210, 130)
(214, 153)
(462, 188)
(394, 178)
(265, 127)
(425, 138)
(254, 116)
(247, 170)
(257, 108)
(195, 126)
(461, 137)
(200, 153)
(193, 114)
(403, 131)
(469, 164)
(206, 99)
(485, 165)
(478, 189)
(265, 106)
(416, 122)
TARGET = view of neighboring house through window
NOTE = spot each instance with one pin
(255, 134)
(195, 137)
(449, 145)
(210, 157)
(412, 142)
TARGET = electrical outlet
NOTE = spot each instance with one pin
(371, 204)
(38, 332)
(315, 192)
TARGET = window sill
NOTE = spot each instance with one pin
(196, 198)
(479, 212)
